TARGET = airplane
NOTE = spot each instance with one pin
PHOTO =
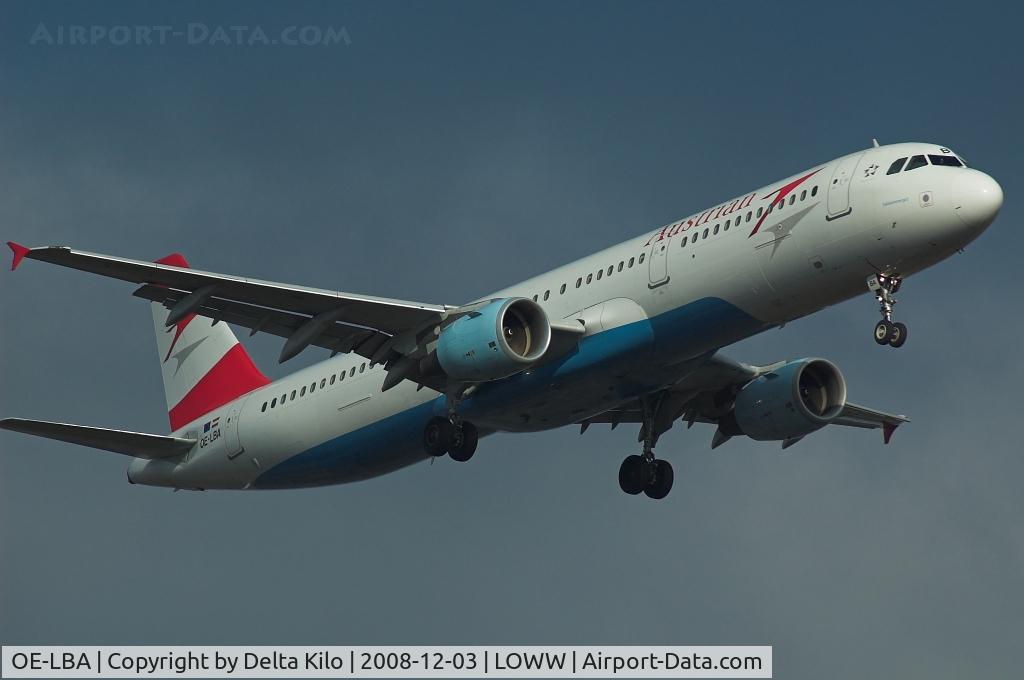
(630, 334)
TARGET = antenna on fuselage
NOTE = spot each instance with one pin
(874, 142)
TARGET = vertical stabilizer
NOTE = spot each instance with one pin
(203, 364)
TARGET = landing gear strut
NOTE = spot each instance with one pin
(644, 472)
(887, 332)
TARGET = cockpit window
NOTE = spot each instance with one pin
(896, 166)
(916, 162)
(951, 161)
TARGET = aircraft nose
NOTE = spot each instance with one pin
(977, 198)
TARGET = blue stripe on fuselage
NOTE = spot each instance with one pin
(396, 441)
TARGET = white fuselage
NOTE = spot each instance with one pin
(648, 304)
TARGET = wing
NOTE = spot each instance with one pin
(396, 333)
(382, 314)
(137, 444)
(704, 395)
(860, 416)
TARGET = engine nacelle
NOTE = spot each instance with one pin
(800, 397)
(494, 342)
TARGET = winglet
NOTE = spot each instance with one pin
(887, 430)
(174, 259)
(20, 252)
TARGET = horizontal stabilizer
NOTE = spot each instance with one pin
(137, 444)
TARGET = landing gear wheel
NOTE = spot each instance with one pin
(632, 475)
(898, 335)
(659, 487)
(437, 436)
(883, 331)
(463, 444)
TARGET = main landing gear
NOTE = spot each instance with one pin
(887, 332)
(644, 472)
(451, 435)
(458, 439)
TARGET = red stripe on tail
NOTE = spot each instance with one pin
(231, 377)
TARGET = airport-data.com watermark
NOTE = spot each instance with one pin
(196, 34)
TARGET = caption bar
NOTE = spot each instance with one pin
(386, 662)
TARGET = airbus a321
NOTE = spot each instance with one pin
(631, 334)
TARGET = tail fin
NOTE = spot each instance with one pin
(203, 364)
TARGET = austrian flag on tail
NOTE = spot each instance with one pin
(203, 365)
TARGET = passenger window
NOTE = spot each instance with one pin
(579, 282)
(303, 392)
(547, 294)
(620, 265)
(705, 234)
(600, 273)
(273, 402)
(685, 241)
(726, 226)
(748, 216)
(362, 367)
(590, 277)
(803, 194)
(641, 260)
(896, 166)
(716, 229)
(792, 199)
(534, 298)
(312, 388)
(630, 262)
(264, 409)
(342, 376)
(561, 291)
(333, 378)
(611, 269)
(284, 397)
(352, 372)
(915, 163)
(951, 161)
(758, 212)
(323, 383)
(694, 238)
(293, 395)
(814, 190)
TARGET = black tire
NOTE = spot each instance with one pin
(463, 448)
(883, 331)
(662, 482)
(898, 335)
(632, 479)
(437, 436)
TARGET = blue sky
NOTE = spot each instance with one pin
(448, 150)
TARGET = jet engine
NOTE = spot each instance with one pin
(792, 401)
(495, 341)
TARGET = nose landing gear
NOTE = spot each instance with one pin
(887, 332)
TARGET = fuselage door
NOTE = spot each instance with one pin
(839, 186)
(232, 441)
(658, 257)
